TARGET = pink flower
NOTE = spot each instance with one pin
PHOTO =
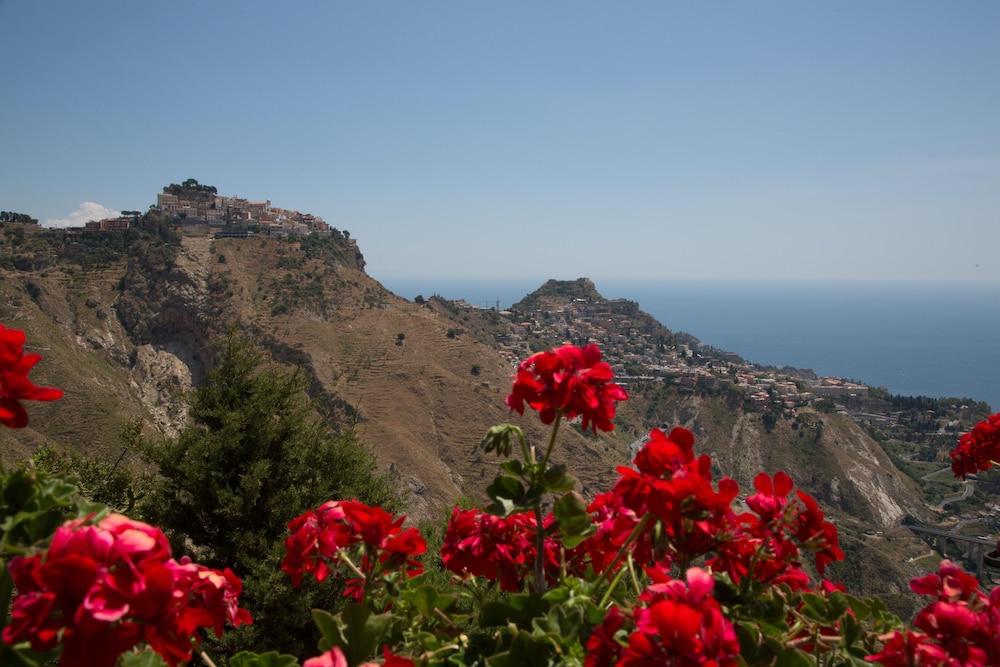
(102, 588)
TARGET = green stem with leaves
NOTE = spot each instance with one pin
(539, 519)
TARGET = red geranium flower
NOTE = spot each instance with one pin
(603, 649)
(682, 625)
(318, 536)
(979, 449)
(14, 383)
(496, 548)
(571, 381)
(961, 626)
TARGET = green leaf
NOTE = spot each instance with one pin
(817, 608)
(425, 599)
(555, 479)
(147, 658)
(515, 467)
(356, 630)
(574, 521)
(793, 657)
(850, 629)
(528, 650)
(508, 495)
(329, 629)
(860, 607)
(520, 609)
(269, 659)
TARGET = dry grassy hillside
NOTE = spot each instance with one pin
(68, 315)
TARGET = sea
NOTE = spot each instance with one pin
(930, 339)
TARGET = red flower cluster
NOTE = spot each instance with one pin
(102, 588)
(978, 449)
(571, 381)
(960, 627)
(497, 548)
(674, 487)
(614, 524)
(769, 540)
(326, 534)
(14, 383)
(680, 623)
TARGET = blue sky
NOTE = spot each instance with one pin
(752, 140)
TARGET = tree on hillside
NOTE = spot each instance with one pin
(255, 455)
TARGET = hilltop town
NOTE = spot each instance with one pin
(192, 203)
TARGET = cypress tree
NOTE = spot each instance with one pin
(254, 455)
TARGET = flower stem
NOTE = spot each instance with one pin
(539, 526)
(611, 588)
(6, 588)
(631, 571)
(539, 549)
(552, 440)
(350, 564)
(205, 659)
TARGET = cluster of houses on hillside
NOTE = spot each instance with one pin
(193, 203)
(641, 352)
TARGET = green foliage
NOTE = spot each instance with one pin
(146, 658)
(191, 188)
(33, 503)
(111, 484)
(269, 659)
(11, 216)
(254, 456)
(770, 419)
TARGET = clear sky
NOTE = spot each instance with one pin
(730, 140)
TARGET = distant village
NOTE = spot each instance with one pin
(191, 203)
(640, 354)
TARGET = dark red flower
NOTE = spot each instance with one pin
(979, 449)
(603, 649)
(496, 548)
(771, 499)
(676, 488)
(375, 539)
(571, 381)
(14, 383)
